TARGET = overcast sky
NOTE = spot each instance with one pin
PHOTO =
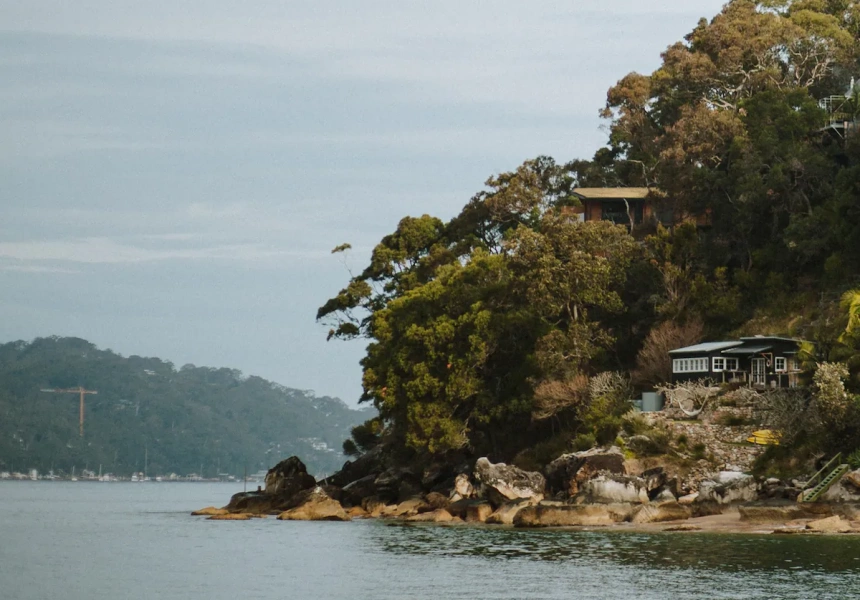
(173, 174)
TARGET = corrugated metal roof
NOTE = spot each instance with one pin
(747, 350)
(609, 193)
(765, 338)
(705, 347)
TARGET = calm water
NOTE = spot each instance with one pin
(83, 541)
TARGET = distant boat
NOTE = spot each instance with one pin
(73, 475)
(134, 477)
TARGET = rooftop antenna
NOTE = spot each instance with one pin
(78, 390)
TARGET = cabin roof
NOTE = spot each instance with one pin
(609, 193)
(747, 350)
(706, 347)
(768, 338)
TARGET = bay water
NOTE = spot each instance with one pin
(92, 541)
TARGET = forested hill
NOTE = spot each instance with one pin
(183, 419)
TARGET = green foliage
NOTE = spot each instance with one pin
(482, 329)
(730, 420)
(182, 419)
(853, 459)
(584, 441)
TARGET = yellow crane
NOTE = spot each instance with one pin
(78, 390)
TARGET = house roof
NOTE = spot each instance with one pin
(767, 338)
(706, 347)
(612, 192)
(747, 350)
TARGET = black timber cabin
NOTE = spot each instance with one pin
(759, 361)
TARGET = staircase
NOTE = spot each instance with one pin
(821, 481)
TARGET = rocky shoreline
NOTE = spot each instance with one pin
(597, 488)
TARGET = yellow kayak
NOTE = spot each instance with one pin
(764, 437)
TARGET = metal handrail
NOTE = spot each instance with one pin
(825, 470)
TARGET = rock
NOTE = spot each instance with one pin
(772, 514)
(458, 508)
(568, 472)
(478, 513)
(230, 517)
(852, 478)
(502, 482)
(841, 491)
(397, 484)
(654, 478)
(462, 487)
(410, 507)
(210, 511)
(435, 474)
(506, 513)
(369, 463)
(315, 506)
(834, 524)
(356, 491)
(564, 515)
(613, 489)
(728, 487)
(664, 495)
(434, 516)
(684, 527)
(255, 502)
(437, 500)
(689, 498)
(642, 445)
(356, 512)
(373, 506)
(657, 513)
(288, 477)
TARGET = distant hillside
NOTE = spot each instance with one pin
(184, 420)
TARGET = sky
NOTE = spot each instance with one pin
(174, 175)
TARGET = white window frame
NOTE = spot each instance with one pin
(718, 364)
(776, 364)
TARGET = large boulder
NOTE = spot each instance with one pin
(434, 516)
(613, 489)
(369, 463)
(727, 487)
(834, 524)
(463, 489)
(210, 511)
(478, 512)
(506, 513)
(502, 483)
(843, 490)
(782, 514)
(557, 514)
(568, 472)
(314, 505)
(658, 513)
(397, 484)
(258, 503)
(354, 493)
(288, 477)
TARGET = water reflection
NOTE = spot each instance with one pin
(696, 551)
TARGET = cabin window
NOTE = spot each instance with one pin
(731, 364)
(689, 365)
(779, 363)
(719, 364)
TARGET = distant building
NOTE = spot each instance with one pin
(759, 361)
(619, 205)
(629, 206)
